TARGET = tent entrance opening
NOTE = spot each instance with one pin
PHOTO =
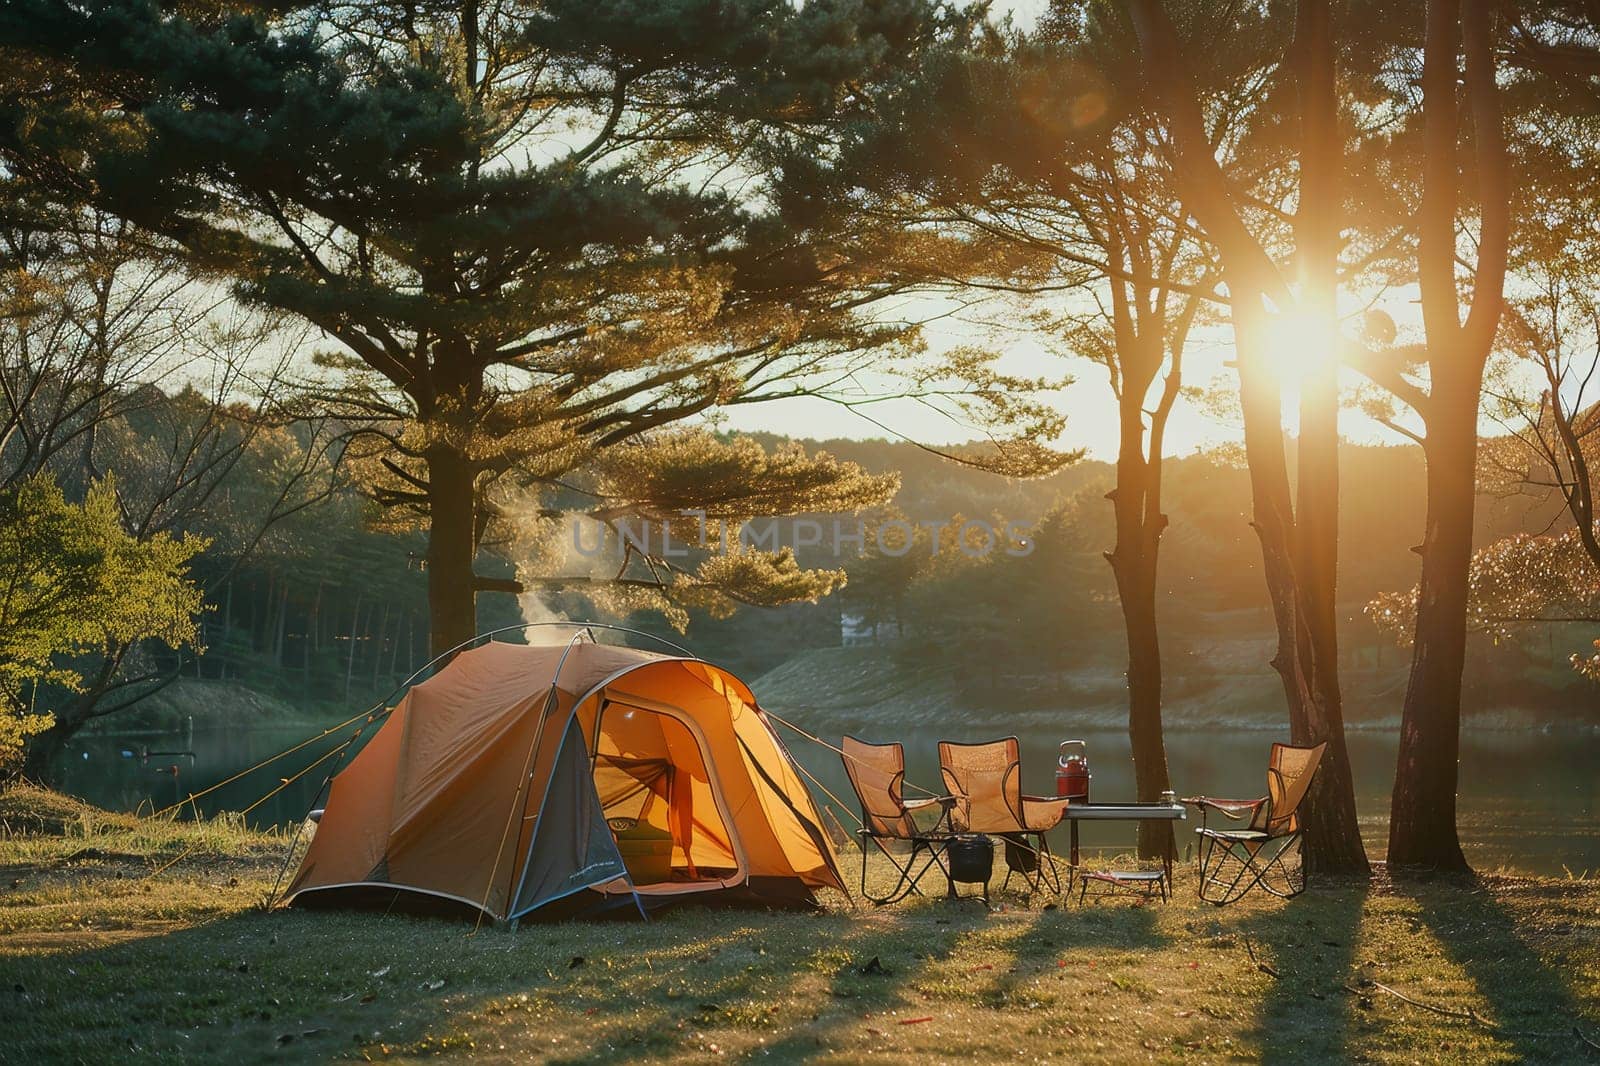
(659, 798)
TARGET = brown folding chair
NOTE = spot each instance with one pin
(877, 773)
(1267, 852)
(986, 781)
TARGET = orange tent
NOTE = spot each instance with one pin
(520, 777)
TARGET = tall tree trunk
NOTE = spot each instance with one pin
(411, 643)
(1139, 523)
(1333, 834)
(313, 639)
(283, 621)
(227, 611)
(1299, 559)
(1422, 815)
(1272, 499)
(377, 648)
(1134, 564)
(260, 616)
(452, 500)
(227, 633)
(350, 657)
(1306, 657)
(394, 649)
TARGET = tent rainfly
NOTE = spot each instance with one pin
(565, 779)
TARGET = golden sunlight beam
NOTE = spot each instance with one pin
(1300, 346)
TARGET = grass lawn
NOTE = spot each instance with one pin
(112, 952)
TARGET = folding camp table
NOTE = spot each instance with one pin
(1124, 812)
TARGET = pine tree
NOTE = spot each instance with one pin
(535, 231)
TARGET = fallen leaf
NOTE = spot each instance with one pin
(378, 973)
(432, 986)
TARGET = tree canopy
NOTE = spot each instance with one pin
(75, 583)
(518, 221)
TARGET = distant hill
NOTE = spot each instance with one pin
(210, 703)
(1383, 503)
(1051, 638)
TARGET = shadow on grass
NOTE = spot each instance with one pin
(309, 986)
(312, 985)
(918, 948)
(1528, 997)
(1305, 1014)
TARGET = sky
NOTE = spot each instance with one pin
(1088, 402)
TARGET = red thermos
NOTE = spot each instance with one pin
(1072, 770)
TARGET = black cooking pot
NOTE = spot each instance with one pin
(971, 858)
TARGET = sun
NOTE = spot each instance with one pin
(1300, 346)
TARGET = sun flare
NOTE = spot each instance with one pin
(1300, 345)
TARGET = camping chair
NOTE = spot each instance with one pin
(1267, 851)
(877, 773)
(986, 781)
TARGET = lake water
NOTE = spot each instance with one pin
(1529, 800)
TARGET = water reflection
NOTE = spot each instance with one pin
(1528, 800)
(116, 773)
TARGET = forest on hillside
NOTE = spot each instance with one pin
(325, 612)
(1018, 628)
